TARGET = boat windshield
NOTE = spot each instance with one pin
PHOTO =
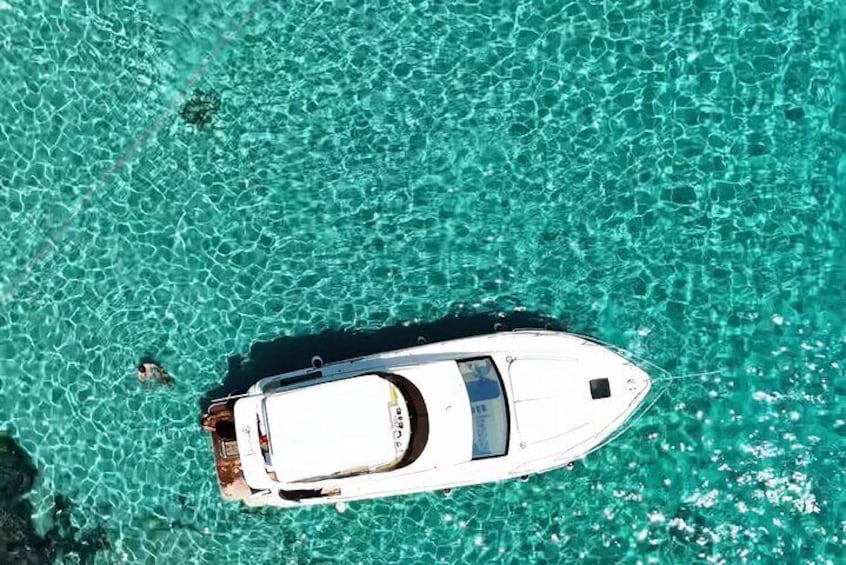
(487, 405)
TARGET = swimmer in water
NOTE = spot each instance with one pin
(151, 372)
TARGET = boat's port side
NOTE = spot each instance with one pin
(220, 421)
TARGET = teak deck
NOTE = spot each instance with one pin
(220, 421)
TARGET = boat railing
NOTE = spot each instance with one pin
(230, 397)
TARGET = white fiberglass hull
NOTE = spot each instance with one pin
(565, 396)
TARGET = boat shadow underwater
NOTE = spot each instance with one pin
(290, 353)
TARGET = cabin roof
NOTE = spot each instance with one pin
(336, 427)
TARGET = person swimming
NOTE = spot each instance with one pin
(152, 372)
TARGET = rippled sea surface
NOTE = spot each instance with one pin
(668, 176)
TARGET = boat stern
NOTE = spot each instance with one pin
(220, 421)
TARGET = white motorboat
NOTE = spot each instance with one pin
(430, 417)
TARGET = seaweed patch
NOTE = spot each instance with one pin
(201, 109)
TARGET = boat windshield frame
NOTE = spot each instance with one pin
(484, 406)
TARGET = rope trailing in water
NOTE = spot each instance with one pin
(687, 376)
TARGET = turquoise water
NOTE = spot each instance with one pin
(666, 176)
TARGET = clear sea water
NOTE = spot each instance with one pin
(668, 176)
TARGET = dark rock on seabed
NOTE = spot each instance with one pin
(20, 542)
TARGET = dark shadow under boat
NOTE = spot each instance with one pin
(290, 353)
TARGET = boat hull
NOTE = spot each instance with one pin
(567, 396)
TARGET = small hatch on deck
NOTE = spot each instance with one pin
(600, 388)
